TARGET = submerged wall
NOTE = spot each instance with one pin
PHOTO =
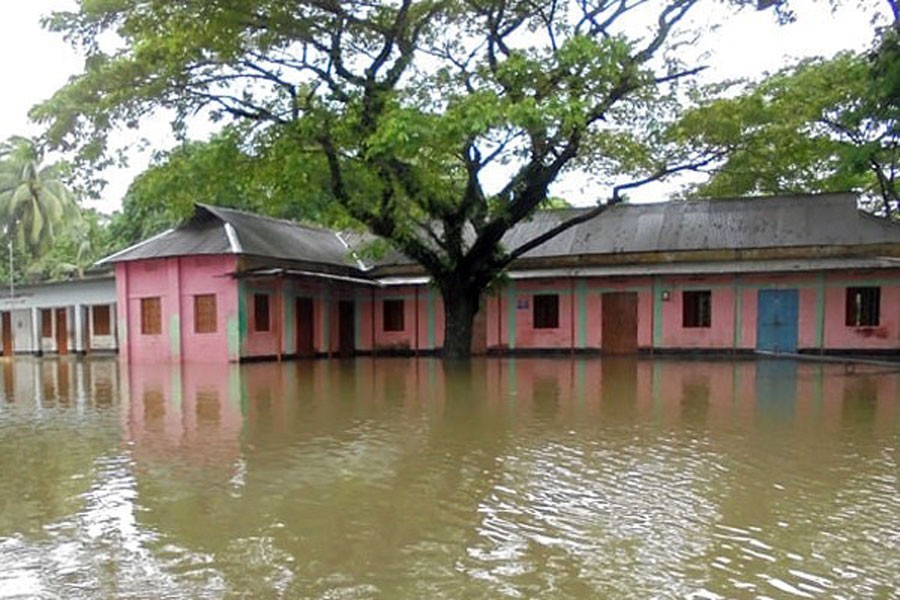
(321, 316)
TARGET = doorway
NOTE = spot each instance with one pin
(619, 323)
(62, 332)
(7, 334)
(776, 321)
(346, 328)
(304, 328)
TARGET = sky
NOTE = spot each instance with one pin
(35, 63)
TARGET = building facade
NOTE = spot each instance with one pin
(782, 274)
(62, 317)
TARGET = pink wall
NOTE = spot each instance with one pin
(734, 303)
(720, 333)
(175, 281)
(207, 275)
(886, 334)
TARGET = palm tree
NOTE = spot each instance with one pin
(35, 206)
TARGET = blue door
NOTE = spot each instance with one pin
(776, 322)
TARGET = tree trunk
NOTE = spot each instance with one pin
(460, 308)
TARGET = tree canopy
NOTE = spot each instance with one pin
(820, 125)
(36, 206)
(438, 124)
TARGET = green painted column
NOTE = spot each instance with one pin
(511, 315)
(581, 300)
(175, 336)
(657, 313)
(738, 313)
(243, 318)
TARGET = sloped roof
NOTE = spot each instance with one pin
(215, 230)
(747, 223)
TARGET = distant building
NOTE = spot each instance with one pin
(788, 274)
(60, 317)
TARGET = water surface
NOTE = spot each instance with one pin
(396, 478)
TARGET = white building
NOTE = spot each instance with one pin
(60, 317)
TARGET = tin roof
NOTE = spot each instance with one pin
(747, 223)
(215, 230)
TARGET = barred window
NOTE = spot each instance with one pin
(205, 313)
(392, 315)
(260, 312)
(546, 311)
(151, 316)
(696, 308)
(863, 306)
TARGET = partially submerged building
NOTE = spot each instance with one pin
(784, 274)
(60, 317)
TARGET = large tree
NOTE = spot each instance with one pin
(438, 124)
(820, 125)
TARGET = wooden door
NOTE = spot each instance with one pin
(619, 323)
(346, 328)
(7, 334)
(304, 328)
(62, 332)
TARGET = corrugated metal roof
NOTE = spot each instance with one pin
(786, 221)
(207, 232)
(749, 223)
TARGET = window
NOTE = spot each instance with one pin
(260, 312)
(546, 311)
(151, 316)
(47, 322)
(392, 315)
(205, 313)
(863, 306)
(100, 317)
(696, 308)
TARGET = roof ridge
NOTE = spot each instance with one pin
(262, 217)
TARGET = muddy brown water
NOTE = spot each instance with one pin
(406, 478)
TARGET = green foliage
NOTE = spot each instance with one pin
(818, 126)
(397, 112)
(36, 207)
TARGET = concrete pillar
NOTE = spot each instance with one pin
(79, 329)
(36, 331)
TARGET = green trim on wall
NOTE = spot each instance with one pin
(233, 334)
(820, 312)
(581, 299)
(657, 313)
(175, 336)
(243, 318)
(289, 300)
(431, 331)
(511, 315)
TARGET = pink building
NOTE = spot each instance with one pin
(784, 274)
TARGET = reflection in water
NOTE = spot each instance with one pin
(410, 478)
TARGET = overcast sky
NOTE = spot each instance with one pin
(35, 63)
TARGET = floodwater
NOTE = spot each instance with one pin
(404, 478)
